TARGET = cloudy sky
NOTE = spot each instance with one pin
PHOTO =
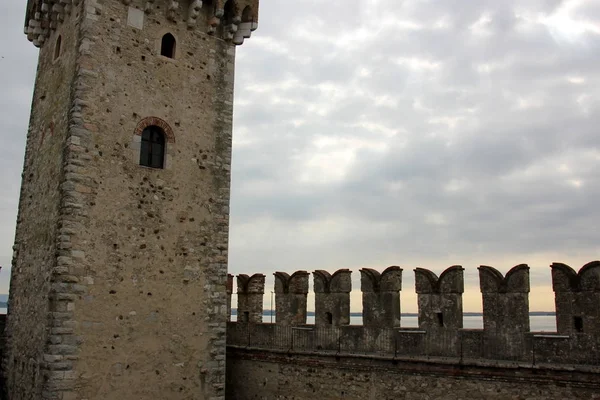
(394, 132)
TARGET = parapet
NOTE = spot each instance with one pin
(339, 282)
(250, 298)
(332, 297)
(291, 297)
(505, 311)
(515, 281)
(295, 283)
(450, 281)
(390, 280)
(235, 20)
(577, 297)
(565, 279)
(505, 335)
(440, 308)
(254, 284)
(381, 297)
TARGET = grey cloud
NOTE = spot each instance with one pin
(437, 163)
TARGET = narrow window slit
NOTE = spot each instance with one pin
(578, 323)
(57, 47)
(168, 45)
(440, 319)
(329, 317)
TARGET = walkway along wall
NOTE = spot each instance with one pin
(439, 359)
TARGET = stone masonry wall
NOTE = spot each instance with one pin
(119, 279)
(282, 375)
(32, 309)
(154, 248)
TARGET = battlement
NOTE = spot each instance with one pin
(231, 20)
(506, 333)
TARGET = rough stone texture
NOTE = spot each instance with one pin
(290, 297)
(577, 296)
(118, 285)
(381, 297)
(250, 298)
(332, 297)
(229, 290)
(39, 325)
(440, 308)
(253, 374)
(505, 310)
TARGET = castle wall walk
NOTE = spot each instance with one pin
(437, 360)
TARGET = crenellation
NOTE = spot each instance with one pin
(250, 291)
(505, 311)
(577, 298)
(291, 297)
(440, 308)
(505, 336)
(236, 20)
(332, 297)
(381, 297)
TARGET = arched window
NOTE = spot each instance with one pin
(167, 46)
(57, 47)
(329, 318)
(247, 15)
(152, 153)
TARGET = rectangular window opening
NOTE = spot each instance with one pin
(440, 319)
(578, 324)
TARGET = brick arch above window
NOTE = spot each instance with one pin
(155, 121)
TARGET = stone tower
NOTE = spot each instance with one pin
(118, 287)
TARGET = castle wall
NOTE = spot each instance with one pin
(506, 337)
(34, 313)
(260, 374)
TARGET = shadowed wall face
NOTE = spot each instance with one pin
(254, 375)
(250, 298)
(577, 296)
(291, 297)
(505, 310)
(381, 297)
(332, 297)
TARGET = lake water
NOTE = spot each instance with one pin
(538, 323)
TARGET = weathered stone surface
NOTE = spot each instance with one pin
(250, 298)
(332, 297)
(505, 311)
(123, 267)
(381, 297)
(256, 374)
(440, 308)
(291, 297)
